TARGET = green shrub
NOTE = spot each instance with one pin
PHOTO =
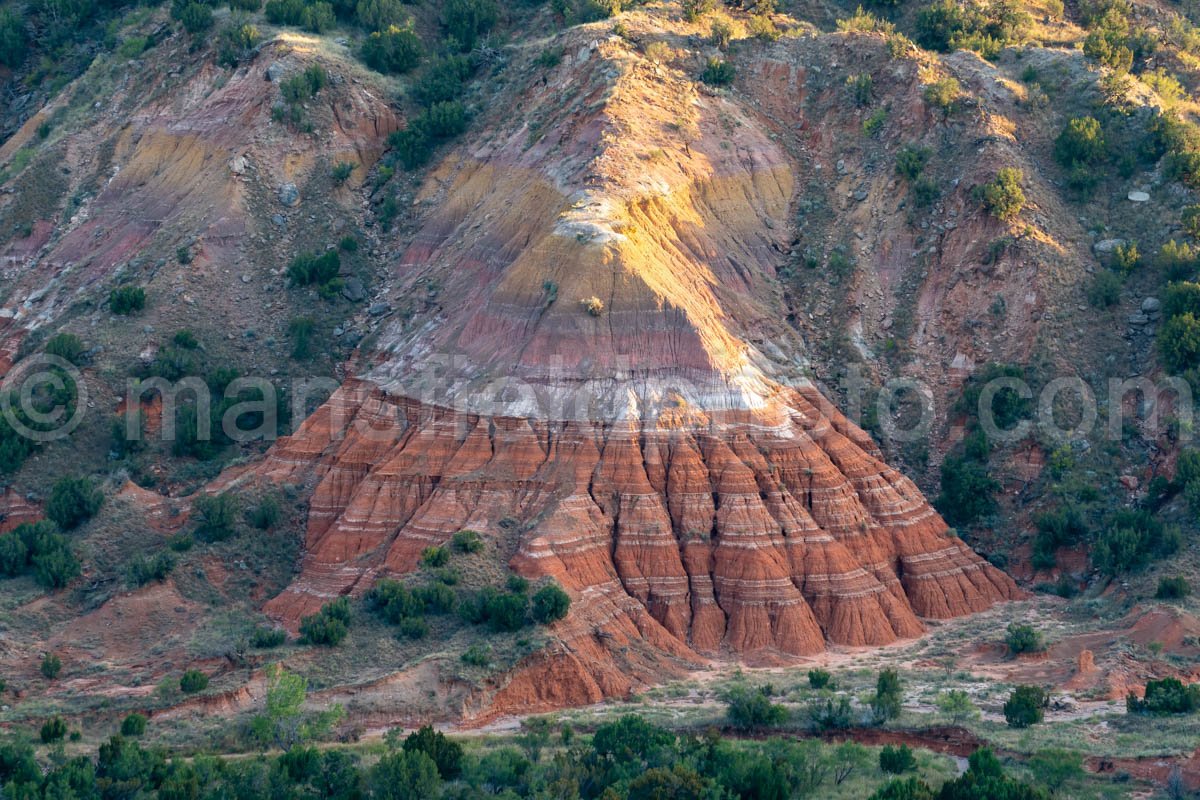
(550, 604)
(1126, 257)
(1190, 216)
(943, 94)
(342, 171)
(310, 268)
(1178, 261)
(445, 753)
(73, 501)
(265, 514)
(303, 86)
(1025, 706)
(378, 15)
(217, 515)
(53, 730)
(751, 709)
(820, 679)
(442, 80)
(466, 20)
(467, 541)
(925, 192)
(910, 161)
(695, 9)
(267, 638)
(500, 611)
(394, 50)
(1003, 196)
(956, 705)
(414, 145)
(234, 45)
(516, 584)
(318, 17)
(66, 346)
(1024, 639)
(14, 44)
(886, 702)
(1133, 539)
(126, 300)
(966, 491)
(1166, 696)
(1080, 142)
(51, 666)
(1179, 343)
(192, 681)
(435, 557)
(717, 72)
(329, 626)
(413, 628)
(897, 760)
(143, 570)
(300, 331)
(477, 655)
(392, 601)
(196, 18)
(1105, 289)
(860, 87)
(1175, 588)
(285, 12)
(133, 725)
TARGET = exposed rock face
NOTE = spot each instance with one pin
(667, 460)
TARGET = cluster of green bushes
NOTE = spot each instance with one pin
(437, 123)
(1063, 527)
(718, 72)
(406, 608)
(985, 778)
(316, 16)
(329, 626)
(297, 90)
(966, 487)
(143, 570)
(946, 25)
(628, 758)
(1166, 696)
(236, 41)
(1132, 539)
(1179, 336)
(1112, 39)
(910, 165)
(38, 548)
(43, 409)
(499, 610)
(320, 270)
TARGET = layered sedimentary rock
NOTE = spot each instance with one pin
(594, 363)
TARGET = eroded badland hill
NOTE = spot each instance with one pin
(475, 361)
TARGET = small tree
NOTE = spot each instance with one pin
(695, 9)
(329, 626)
(1175, 588)
(1025, 706)
(73, 501)
(467, 541)
(51, 666)
(283, 722)
(395, 50)
(943, 94)
(751, 709)
(1003, 196)
(897, 760)
(1024, 639)
(717, 72)
(53, 730)
(192, 681)
(1080, 142)
(1055, 767)
(133, 725)
(820, 679)
(550, 604)
(889, 695)
(127, 299)
(217, 515)
(956, 706)
(66, 346)
(445, 753)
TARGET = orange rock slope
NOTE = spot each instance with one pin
(666, 460)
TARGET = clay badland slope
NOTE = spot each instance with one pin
(666, 460)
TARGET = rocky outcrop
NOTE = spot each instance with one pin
(661, 452)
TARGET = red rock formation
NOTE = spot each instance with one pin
(666, 460)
